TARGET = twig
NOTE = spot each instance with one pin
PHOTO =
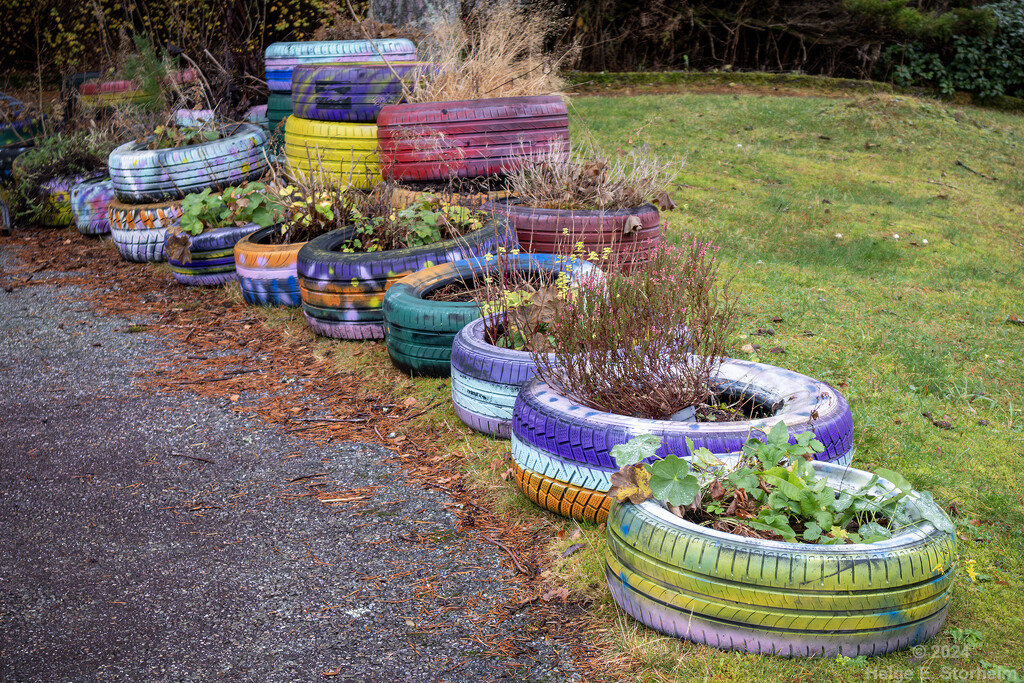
(229, 375)
(515, 560)
(428, 408)
(329, 419)
(308, 476)
(193, 457)
(963, 165)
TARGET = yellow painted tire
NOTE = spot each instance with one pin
(345, 151)
(568, 500)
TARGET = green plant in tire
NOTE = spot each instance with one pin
(424, 222)
(171, 135)
(772, 491)
(207, 210)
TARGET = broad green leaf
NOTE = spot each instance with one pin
(873, 531)
(812, 532)
(898, 480)
(636, 449)
(672, 482)
(702, 457)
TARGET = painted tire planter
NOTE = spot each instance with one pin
(142, 175)
(342, 293)
(346, 151)
(213, 256)
(57, 212)
(558, 231)
(89, 201)
(402, 197)
(282, 58)
(266, 272)
(465, 139)
(352, 93)
(772, 597)
(419, 333)
(486, 380)
(556, 438)
(138, 230)
(98, 94)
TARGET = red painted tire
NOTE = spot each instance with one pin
(559, 231)
(466, 139)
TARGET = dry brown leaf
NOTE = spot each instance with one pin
(409, 402)
(664, 201)
(631, 225)
(557, 594)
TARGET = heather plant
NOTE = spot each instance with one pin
(646, 343)
(583, 180)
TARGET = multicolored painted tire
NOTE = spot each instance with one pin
(346, 151)
(557, 438)
(419, 333)
(98, 93)
(282, 58)
(486, 380)
(788, 599)
(142, 175)
(349, 288)
(5, 219)
(465, 139)
(139, 246)
(89, 201)
(193, 117)
(402, 197)
(154, 216)
(57, 212)
(350, 92)
(266, 272)
(213, 256)
(558, 231)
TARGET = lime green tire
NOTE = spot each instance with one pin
(771, 597)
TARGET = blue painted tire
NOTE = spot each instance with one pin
(89, 200)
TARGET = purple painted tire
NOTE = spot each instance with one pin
(572, 432)
(349, 92)
(211, 280)
(788, 599)
(89, 201)
(344, 330)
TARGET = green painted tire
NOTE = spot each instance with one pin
(789, 599)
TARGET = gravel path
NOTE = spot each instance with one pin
(165, 537)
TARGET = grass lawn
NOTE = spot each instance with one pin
(887, 234)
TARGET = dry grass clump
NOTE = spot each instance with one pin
(498, 50)
(338, 25)
(582, 180)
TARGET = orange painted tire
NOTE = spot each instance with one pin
(156, 216)
(266, 272)
(561, 498)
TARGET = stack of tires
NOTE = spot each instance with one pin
(332, 129)
(282, 58)
(149, 184)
